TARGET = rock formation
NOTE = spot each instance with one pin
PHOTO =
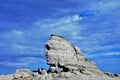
(61, 54)
(66, 61)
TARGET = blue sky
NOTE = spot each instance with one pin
(25, 26)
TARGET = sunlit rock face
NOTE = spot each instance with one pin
(62, 54)
(59, 51)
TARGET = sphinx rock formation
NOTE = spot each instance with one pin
(66, 61)
(61, 54)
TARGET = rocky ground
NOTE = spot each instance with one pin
(66, 61)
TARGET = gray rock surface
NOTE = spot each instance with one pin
(62, 54)
(67, 62)
(42, 71)
(6, 77)
(57, 50)
(22, 74)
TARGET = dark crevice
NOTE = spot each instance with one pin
(47, 47)
(65, 69)
(75, 50)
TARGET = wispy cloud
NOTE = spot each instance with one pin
(107, 61)
(31, 59)
(22, 62)
(14, 64)
(112, 54)
(104, 54)
(68, 25)
(17, 32)
(24, 47)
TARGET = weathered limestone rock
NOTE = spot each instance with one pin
(55, 70)
(42, 71)
(61, 54)
(6, 77)
(111, 75)
(22, 73)
(79, 54)
(59, 50)
(90, 77)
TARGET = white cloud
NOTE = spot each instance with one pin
(112, 54)
(23, 47)
(17, 32)
(31, 60)
(107, 47)
(103, 5)
(92, 42)
(14, 64)
(67, 25)
(18, 49)
(97, 47)
(76, 18)
(107, 61)
(104, 54)
(71, 19)
(56, 22)
(12, 35)
(109, 4)
(22, 62)
(76, 36)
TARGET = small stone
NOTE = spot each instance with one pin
(87, 59)
(22, 73)
(55, 70)
(116, 75)
(42, 71)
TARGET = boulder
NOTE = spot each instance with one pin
(55, 70)
(6, 77)
(22, 73)
(111, 75)
(42, 71)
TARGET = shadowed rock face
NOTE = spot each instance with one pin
(66, 61)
